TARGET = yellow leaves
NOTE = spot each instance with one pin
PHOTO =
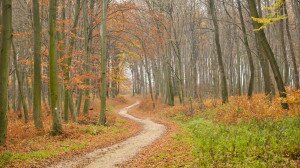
(273, 17)
(268, 21)
(293, 98)
(278, 4)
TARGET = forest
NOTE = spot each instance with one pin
(149, 83)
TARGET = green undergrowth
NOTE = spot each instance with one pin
(118, 127)
(247, 144)
(8, 157)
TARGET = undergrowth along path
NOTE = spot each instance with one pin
(119, 153)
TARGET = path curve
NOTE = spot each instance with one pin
(119, 153)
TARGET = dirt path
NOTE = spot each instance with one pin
(119, 153)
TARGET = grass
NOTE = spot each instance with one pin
(243, 133)
(65, 146)
(116, 128)
(246, 144)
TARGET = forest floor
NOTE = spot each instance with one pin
(242, 133)
(119, 153)
(27, 147)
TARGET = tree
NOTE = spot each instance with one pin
(263, 42)
(87, 47)
(68, 62)
(54, 92)
(4, 64)
(102, 120)
(219, 51)
(37, 86)
(20, 84)
(248, 50)
(292, 50)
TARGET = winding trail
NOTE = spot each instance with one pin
(119, 153)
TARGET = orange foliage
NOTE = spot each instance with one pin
(25, 138)
(241, 109)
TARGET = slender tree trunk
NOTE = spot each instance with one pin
(54, 91)
(148, 75)
(61, 51)
(292, 50)
(296, 10)
(68, 62)
(283, 50)
(88, 40)
(102, 120)
(268, 85)
(268, 52)
(73, 109)
(219, 52)
(248, 50)
(4, 64)
(20, 84)
(37, 84)
(66, 105)
(78, 102)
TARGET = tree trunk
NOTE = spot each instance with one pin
(53, 68)
(283, 50)
(292, 50)
(4, 64)
(268, 52)
(296, 9)
(68, 61)
(20, 84)
(37, 84)
(87, 41)
(102, 120)
(219, 52)
(148, 74)
(248, 50)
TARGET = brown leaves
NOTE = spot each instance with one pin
(258, 108)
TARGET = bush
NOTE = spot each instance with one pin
(94, 130)
(5, 158)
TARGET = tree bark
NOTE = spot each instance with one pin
(219, 52)
(20, 85)
(248, 50)
(4, 64)
(283, 51)
(292, 50)
(53, 68)
(268, 52)
(37, 84)
(68, 62)
(102, 120)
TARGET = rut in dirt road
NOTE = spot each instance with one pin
(119, 153)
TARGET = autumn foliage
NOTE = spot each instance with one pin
(239, 109)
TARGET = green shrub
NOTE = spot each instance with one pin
(94, 129)
(8, 157)
(5, 158)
